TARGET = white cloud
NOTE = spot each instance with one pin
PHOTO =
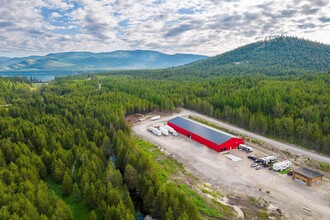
(55, 15)
(64, 5)
(187, 26)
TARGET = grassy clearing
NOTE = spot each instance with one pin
(325, 167)
(154, 153)
(79, 209)
(216, 209)
(284, 171)
(172, 168)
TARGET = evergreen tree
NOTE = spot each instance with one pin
(76, 192)
(131, 177)
(67, 184)
(93, 215)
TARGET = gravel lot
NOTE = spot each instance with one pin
(239, 179)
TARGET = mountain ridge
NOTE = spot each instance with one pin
(119, 59)
(274, 56)
(280, 55)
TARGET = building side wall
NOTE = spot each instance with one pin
(316, 179)
(307, 180)
(301, 177)
(205, 142)
(232, 143)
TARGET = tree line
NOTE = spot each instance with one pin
(293, 108)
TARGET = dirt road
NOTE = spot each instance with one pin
(291, 148)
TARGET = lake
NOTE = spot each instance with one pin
(41, 76)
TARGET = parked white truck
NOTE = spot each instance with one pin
(171, 130)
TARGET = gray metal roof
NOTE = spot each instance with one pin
(201, 130)
(307, 172)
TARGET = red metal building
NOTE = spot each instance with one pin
(212, 138)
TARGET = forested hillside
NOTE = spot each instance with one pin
(69, 142)
(274, 56)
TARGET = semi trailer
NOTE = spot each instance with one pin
(155, 131)
(163, 130)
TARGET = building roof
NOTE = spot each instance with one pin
(307, 172)
(201, 130)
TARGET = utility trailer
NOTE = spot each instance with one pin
(171, 130)
(154, 118)
(279, 166)
(268, 160)
(155, 131)
(246, 148)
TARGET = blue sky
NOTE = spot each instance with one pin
(208, 27)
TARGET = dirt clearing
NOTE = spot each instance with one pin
(239, 179)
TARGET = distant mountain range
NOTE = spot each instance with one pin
(80, 61)
(2, 59)
(274, 56)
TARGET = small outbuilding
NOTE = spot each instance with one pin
(306, 175)
(210, 137)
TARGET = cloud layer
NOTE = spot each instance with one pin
(205, 27)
